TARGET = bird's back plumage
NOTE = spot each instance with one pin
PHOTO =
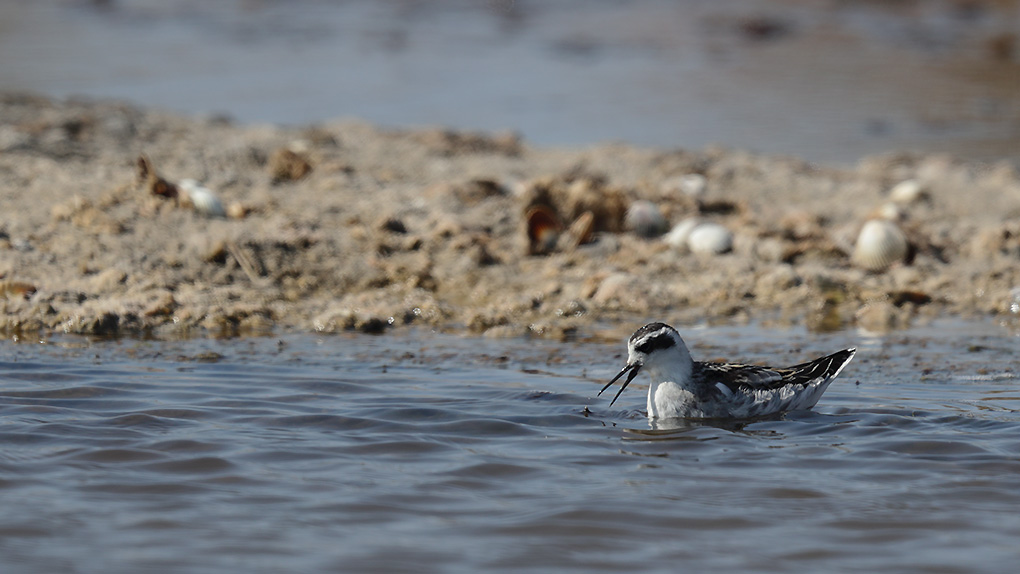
(737, 376)
(734, 390)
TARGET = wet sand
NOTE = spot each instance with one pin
(355, 227)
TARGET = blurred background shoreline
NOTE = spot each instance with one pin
(827, 81)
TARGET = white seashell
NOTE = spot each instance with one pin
(879, 245)
(690, 184)
(710, 239)
(300, 146)
(890, 212)
(694, 184)
(907, 192)
(618, 286)
(201, 199)
(677, 237)
(644, 218)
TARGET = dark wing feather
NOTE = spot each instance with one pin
(736, 376)
(826, 366)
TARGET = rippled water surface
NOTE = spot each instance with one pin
(433, 453)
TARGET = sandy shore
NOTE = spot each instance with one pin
(343, 225)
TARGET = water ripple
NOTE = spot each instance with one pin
(265, 463)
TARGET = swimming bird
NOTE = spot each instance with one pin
(683, 387)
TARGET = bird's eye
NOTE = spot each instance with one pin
(663, 341)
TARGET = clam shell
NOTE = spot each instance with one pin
(238, 210)
(152, 182)
(201, 199)
(710, 239)
(693, 184)
(880, 244)
(907, 192)
(677, 237)
(890, 211)
(582, 230)
(644, 219)
(690, 184)
(16, 289)
(543, 228)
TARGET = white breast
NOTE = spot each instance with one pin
(668, 400)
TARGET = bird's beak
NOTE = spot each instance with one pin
(633, 368)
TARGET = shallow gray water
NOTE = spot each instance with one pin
(827, 81)
(434, 453)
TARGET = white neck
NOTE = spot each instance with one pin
(673, 364)
(670, 372)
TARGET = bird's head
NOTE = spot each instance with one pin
(656, 347)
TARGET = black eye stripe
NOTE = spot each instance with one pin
(663, 341)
